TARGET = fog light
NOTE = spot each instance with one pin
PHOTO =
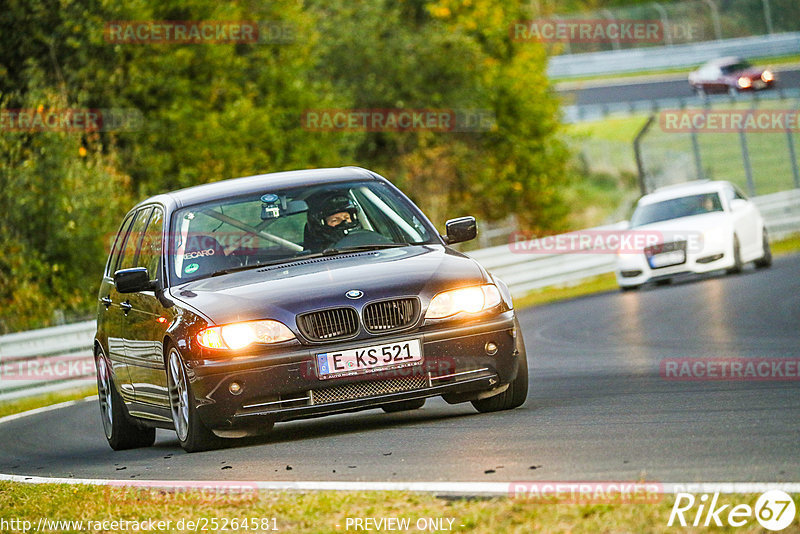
(235, 388)
(709, 259)
(491, 348)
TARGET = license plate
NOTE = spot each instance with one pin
(758, 84)
(666, 259)
(369, 359)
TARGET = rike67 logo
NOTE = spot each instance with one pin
(774, 510)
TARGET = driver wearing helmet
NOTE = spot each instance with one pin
(330, 219)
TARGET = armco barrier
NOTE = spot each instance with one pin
(667, 57)
(69, 347)
(44, 360)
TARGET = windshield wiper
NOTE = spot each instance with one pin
(264, 264)
(359, 248)
(326, 252)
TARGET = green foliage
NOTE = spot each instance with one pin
(218, 111)
(55, 226)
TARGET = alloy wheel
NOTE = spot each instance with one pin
(178, 395)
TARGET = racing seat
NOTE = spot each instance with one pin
(203, 255)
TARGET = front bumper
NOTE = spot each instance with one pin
(285, 386)
(634, 269)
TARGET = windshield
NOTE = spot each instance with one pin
(735, 67)
(676, 208)
(275, 226)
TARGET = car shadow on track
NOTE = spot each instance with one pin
(301, 430)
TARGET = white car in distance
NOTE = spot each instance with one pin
(694, 227)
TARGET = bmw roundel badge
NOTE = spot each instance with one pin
(354, 294)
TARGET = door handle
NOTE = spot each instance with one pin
(106, 301)
(126, 307)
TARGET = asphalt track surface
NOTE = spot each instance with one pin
(598, 410)
(609, 92)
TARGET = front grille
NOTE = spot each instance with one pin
(327, 325)
(368, 388)
(389, 315)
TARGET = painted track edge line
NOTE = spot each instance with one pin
(497, 489)
(43, 409)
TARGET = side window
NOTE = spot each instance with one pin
(113, 258)
(150, 250)
(128, 257)
(738, 194)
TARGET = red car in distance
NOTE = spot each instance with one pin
(731, 75)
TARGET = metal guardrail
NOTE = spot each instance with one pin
(60, 357)
(667, 57)
(45, 360)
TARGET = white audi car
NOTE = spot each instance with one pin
(695, 227)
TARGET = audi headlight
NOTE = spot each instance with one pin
(465, 300)
(239, 335)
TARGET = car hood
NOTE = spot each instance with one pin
(283, 291)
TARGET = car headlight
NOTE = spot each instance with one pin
(744, 82)
(465, 300)
(239, 335)
(767, 76)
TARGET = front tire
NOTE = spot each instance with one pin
(517, 391)
(193, 435)
(120, 430)
(766, 260)
(737, 258)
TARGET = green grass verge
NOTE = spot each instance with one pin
(23, 405)
(607, 146)
(325, 511)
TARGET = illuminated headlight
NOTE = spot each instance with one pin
(239, 335)
(465, 300)
(744, 82)
(767, 76)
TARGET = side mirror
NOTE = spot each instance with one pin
(461, 229)
(133, 280)
(737, 204)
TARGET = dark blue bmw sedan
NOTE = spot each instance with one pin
(227, 307)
